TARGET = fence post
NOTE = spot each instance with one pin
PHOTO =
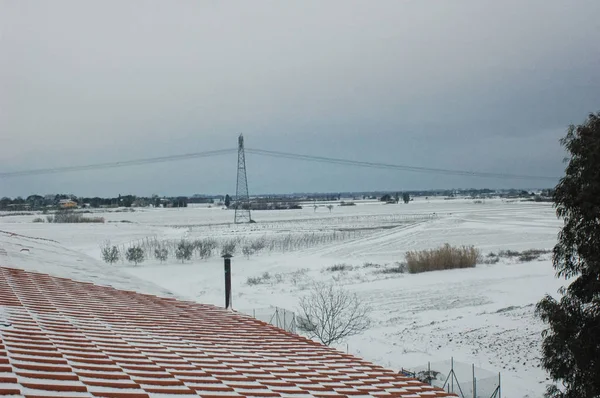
(452, 371)
(499, 386)
(474, 385)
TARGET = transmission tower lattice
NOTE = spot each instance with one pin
(242, 198)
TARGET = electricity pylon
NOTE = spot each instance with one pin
(242, 198)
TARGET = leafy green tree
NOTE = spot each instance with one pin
(126, 201)
(4, 202)
(571, 346)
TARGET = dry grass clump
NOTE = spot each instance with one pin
(445, 257)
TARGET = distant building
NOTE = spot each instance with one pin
(67, 204)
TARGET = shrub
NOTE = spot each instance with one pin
(252, 281)
(247, 251)
(299, 275)
(205, 247)
(339, 268)
(110, 254)
(228, 247)
(38, 219)
(161, 253)
(531, 254)
(525, 256)
(491, 260)
(258, 245)
(445, 257)
(508, 253)
(135, 255)
(264, 279)
(398, 268)
(184, 250)
(63, 217)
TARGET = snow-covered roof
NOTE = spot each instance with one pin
(62, 338)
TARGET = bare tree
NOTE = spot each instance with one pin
(330, 314)
(330, 207)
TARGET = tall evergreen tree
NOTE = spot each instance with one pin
(571, 346)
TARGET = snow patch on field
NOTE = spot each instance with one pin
(36, 255)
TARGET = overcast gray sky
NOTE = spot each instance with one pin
(476, 85)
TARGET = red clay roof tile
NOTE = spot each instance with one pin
(72, 338)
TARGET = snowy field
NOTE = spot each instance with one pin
(482, 316)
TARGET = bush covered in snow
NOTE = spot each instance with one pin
(161, 254)
(339, 268)
(135, 255)
(71, 217)
(184, 250)
(110, 253)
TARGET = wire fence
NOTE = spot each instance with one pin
(279, 317)
(463, 379)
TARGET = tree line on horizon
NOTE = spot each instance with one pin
(38, 202)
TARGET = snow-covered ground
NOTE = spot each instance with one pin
(483, 316)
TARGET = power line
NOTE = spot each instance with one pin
(378, 165)
(276, 154)
(135, 162)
